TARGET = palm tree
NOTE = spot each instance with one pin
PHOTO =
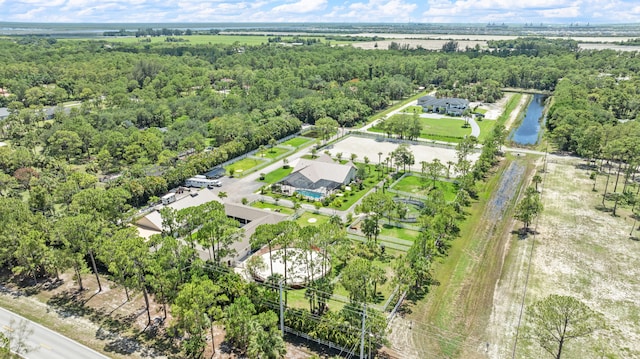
(537, 179)
(265, 344)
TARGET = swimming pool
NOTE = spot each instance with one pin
(310, 194)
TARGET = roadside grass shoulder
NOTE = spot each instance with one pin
(466, 276)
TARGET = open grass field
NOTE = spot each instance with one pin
(297, 141)
(390, 230)
(311, 219)
(449, 127)
(244, 165)
(272, 153)
(421, 186)
(580, 250)
(277, 175)
(396, 106)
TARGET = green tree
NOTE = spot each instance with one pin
(403, 156)
(239, 322)
(266, 340)
(195, 309)
(327, 126)
(537, 179)
(218, 232)
(556, 320)
(529, 207)
(64, 143)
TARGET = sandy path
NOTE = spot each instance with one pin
(514, 114)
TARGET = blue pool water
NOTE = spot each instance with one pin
(312, 194)
(529, 131)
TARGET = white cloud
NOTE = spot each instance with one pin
(565, 12)
(301, 6)
(375, 10)
(39, 3)
(33, 14)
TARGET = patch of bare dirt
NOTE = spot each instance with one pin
(580, 251)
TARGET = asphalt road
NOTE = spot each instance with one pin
(42, 342)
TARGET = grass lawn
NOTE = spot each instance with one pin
(244, 165)
(415, 185)
(271, 206)
(447, 127)
(350, 197)
(486, 126)
(297, 141)
(394, 107)
(397, 232)
(303, 220)
(414, 109)
(277, 175)
(273, 153)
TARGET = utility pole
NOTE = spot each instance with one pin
(281, 310)
(364, 319)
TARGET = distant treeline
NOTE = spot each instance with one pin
(160, 32)
(354, 38)
(630, 42)
(294, 40)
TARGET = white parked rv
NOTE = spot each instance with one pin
(201, 181)
(168, 198)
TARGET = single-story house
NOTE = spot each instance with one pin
(448, 105)
(248, 217)
(317, 178)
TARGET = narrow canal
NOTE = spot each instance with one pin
(529, 131)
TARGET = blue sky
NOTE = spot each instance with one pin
(398, 11)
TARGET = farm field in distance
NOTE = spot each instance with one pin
(112, 236)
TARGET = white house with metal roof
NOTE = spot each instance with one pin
(317, 178)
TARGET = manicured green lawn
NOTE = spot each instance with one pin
(277, 175)
(416, 185)
(271, 206)
(272, 153)
(397, 232)
(396, 106)
(316, 219)
(414, 109)
(446, 127)
(244, 165)
(350, 197)
(297, 141)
